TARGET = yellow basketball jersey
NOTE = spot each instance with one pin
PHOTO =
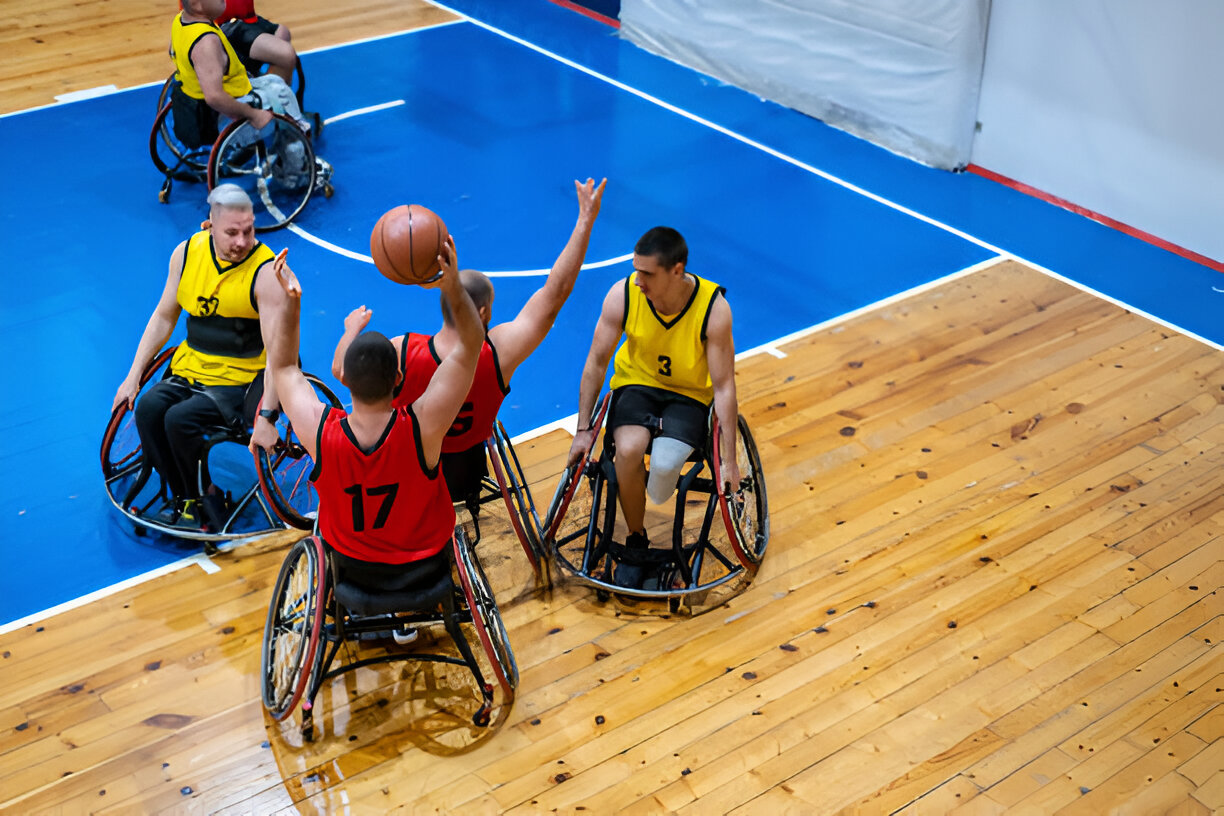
(667, 351)
(183, 36)
(224, 345)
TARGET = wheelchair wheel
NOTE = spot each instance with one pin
(171, 157)
(512, 483)
(275, 166)
(293, 627)
(486, 620)
(122, 458)
(284, 477)
(745, 510)
(568, 489)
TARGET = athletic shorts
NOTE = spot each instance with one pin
(241, 34)
(464, 472)
(665, 413)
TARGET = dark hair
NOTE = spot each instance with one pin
(370, 367)
(665, 244)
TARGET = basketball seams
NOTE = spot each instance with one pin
(386, 256)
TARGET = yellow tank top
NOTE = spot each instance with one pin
(667, 351)
(183, 37)
(224, 345)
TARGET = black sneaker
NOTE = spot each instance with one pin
(630, 575)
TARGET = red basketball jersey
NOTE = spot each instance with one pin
(474, 423)
(382, 505)
(242, 9)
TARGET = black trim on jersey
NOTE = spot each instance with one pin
(705, 321)
(403, 366)
(502, 384)
(212, 249)
(220, 35)
(433, 350)
(430, 472)
(348, 431)
(254, 278)
(667, 324)
(237, 337)
(625, 315)
(186, 252)
(318, 465)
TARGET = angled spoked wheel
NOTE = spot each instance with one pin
(284, 476)
(293, 627)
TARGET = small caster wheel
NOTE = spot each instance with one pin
(602, 595)
(140, 532)
(328, 190)
(210, 548)
(163, 196)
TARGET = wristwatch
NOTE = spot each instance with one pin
(270, 414)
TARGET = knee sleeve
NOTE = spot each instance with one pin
(667, 457)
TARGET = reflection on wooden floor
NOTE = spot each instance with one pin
(993, 583)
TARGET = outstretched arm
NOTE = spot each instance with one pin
(516, 339)
(720, 355)
(448, 388)
(607, 333)
(157, 331)
(298, 400)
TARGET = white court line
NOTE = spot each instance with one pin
(201, 559)
(160, 82)
(823, 174)
(769, 348)
(340, 117)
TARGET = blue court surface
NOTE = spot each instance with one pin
(488, 122)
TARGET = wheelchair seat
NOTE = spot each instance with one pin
(313, 616)
(277, 496)
(717, 538)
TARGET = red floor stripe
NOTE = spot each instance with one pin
(594, 15)
(1095, 216)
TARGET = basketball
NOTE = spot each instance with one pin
(406, 242)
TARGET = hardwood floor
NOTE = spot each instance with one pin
(993, 586)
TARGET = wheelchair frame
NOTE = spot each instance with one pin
(307, 625)
(508, 483)
(587, 553)
(119, 467)
(240, 152)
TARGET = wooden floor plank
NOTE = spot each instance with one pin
(996, 591)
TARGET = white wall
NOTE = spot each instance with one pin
(1114, 105)
(903, 73)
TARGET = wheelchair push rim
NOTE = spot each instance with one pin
(512, 484)
(571, 477)
(249, 162)
(293, 627)
(745, 510)
(291, 494)
(485, 618)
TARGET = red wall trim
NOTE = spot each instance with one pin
(1095, 216)
(594, 15)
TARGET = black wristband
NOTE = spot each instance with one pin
(270, 414)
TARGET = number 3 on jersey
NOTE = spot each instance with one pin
(665, 365)
(387, 492)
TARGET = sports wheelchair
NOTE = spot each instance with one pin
(286, 499)
(505, 484)
(313, 616)
(718, 536)
(276, 166)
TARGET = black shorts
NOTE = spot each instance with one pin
(241, 34)
(464, 471)
(373, 576)
(665, 413)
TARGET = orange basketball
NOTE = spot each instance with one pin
(406, 242)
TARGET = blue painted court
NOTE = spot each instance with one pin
(800, 222)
